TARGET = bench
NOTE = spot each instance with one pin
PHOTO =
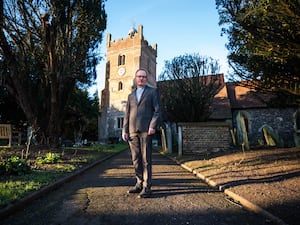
(6, 134)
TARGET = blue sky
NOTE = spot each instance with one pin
(176, 26)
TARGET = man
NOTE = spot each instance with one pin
(140, 123)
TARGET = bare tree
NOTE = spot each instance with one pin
(186, 89)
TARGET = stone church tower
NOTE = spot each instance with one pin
(123, 58)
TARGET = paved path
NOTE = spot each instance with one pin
(99, 196)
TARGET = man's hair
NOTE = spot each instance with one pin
(141, 69)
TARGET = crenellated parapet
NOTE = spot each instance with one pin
(133, 38)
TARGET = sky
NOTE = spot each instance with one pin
(178, 27)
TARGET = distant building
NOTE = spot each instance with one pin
(123, 58)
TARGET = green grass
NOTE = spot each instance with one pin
(16, 187)
(13, 188)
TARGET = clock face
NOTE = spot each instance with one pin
(121, 71)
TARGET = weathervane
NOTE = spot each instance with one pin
(132, 31)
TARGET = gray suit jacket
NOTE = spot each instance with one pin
(139, 116)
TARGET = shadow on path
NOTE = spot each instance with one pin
(99, 196)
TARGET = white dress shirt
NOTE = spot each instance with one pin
(139, 92)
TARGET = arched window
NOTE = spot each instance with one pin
(120, 86)
(121, 60)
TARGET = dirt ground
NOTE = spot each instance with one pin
(269, 178)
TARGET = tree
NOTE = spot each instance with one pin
(186, 93)
(264, 46)
(10, 111)
(82, 116)
(48, 47)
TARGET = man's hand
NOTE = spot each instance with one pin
(151, 131)
(125, 137)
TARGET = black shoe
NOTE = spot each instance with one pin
(136, 189)
(146, 193)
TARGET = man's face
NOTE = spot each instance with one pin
(141, 78)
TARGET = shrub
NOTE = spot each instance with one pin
(14, 166)
(2, 167)
(49, 158)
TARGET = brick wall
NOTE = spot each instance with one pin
(204, 137)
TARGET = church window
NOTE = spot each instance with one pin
(120, 86)
(120, 122)
(121, 60)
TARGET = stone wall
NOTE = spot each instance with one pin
(204, 137)
(282, 121)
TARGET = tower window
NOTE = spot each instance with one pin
(120, 122)
(121, 60)
(120, 86)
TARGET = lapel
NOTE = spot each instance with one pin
(142, 96)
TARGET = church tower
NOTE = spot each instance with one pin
(123, 58)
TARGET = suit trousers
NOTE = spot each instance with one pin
(141, 152)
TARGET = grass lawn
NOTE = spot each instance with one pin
(47, 167)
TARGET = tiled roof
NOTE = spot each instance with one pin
(221, 105)
(243, 97)
(231, 96)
